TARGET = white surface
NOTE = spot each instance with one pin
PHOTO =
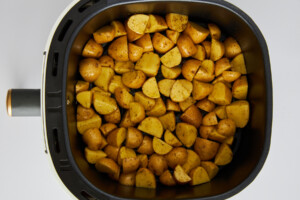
(24, 169)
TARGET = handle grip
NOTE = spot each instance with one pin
(23, 102)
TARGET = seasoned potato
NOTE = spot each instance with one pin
(103, 142)
(94, 122)
(104, 34)
(101, 91)
(127, 179)
(226, 127)
(134, 138)
(190, 68)
(89, 69)
(240, 88)
(171, 139)
(229, 140)
(92, 49)
(146, 146)
(205, 131)
(172, 106)
(221, 112)
(145, 178)
(186, 133)
(211, 168)
(147, 102)
(214, 31)
(177, 156)
(82, 86)
(206, 105)
(180, 176)
(92, 156)
(106, 61)
(210, 119)
(92, 138)
(170, 73)
(143, 160)
(198, 176)
(116, 137)
(165, 86)
(106, 128)
(149, 64)
(131, 35)
(138, 23)
(224, 155)
(114, 117)
(221, 79)
(157, 164)
(136, 112)
(122, 67)
(135, 52)
(134, 79)
(176, 22)
(84, 113)
(200, 55)
(126, 122)
(152, 126)
(206, 71)
(196, 32)
(160, 147)
(130, 164)
(238, 111)
(221, 66)
(123, 97)
(161, 43)
(230, 76)
(172, 58)
(232, 47)
(181, 90)
(192, 116)
(118, 49)
(125, 152)
(238, 64)
(172, 35)
(112, 152)
(156, 23)
(145, 42)
(109, 166)
(115, 82)
(217, 50)
(150, 88)
(103, 104)
(186, 46)
(201, 90)
(119, 28)
(84, 98)
(214, 135)
(206, 149)
(104, 78)
(221, 94)
(168, 121)
(166, 178)
(186, 103)
(192, 161)
(207, 47)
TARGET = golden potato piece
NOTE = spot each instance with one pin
(92, 49)
(176, 22)
(119, 28)
(206, 105)
(210, 119)
(201, 90)
(190, 68)
(172, 106)
(171, 139)
(149, 64)
(172, 58)
(131, 35)
(226, 127)
(238, 111)
(94, 122)
(118, 49)
(106, 61)
(146, 146)
(240, 88)
(229, 140)
(181, 90)
(84, 98)
(103, 104)
(112, 152)
(92, 156)
(238, 64)
(145, 42)
(81, 86)
(135, 52)
(104, 78)
(147, 102)
(230, 76)
(180, 176)
(200, 55)
(106, 128)
(177, 156)
(192, 116)
(156, 23)
(214, 31)
(205, 131)
(92, 138)
(143, 160)
(116, 137)
(214, 135)
(192, 161)
(136, 112)
(157, 164)
(206, 71)
(186, 103)
(161, 43)
(109, 166)
(222, 65)
(115, 82)
(221, 112)
(84, 113)
(221, 94)
(138, 23)
(211, 168)
(126, 122)
(114, 117)
(232, 47)
(168, 121)
(224, 155)
(170, 73)
(186, 133)
(122, 67)
(130, 165)
(150, 88)
(101, 91)
(207, 47)
(152, 126)
(134, 138)
(127, 179)
(134, 79)
(160, 147)
(145, 178)
(172, 35)
(125, 152)
(186, 46)
(123, 97)
(165, 86)
(89, 69)
(199, 176)
(206, 149)
(166, 178)
(221, 79)
(104, 34)
(217, 50)
(196, 32)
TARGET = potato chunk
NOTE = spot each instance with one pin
(118, 49)
(156, 23)
(150, 88)
(152, 126)
(165, 86)
(92, 49)
(116, 137)
(157, 164)
(190, 68)
(92, 156)
(171, 139)
(221, 94)
(170, 73)
(149, 64)
(201, 90)
(217, 50)
(240, 88)
(159, 108)
(238, 111)
(238, 64)
(134, 79)
(104, 34)
(192, 116)
(181, 90)
(136, 112)
(135, 52)
(168, 121)
(177, 156)
(103, 104)
(138, 23)
(145, 178)
(109, 166)
(94, 122)
(176, 22)
(186, 133)
(198, 176)
(180, 175)
(84, 98)
(104, 78)
(186, 46)
(172, 35)
(166, 178)
(147, 102)
(145, 42)
(123, 97)
(206, 149)
(211, 168)
(160, 147)
(161, 43)
(134, 138)
(172, 58)
(192, 161)
(196, 32)
(224, 155)
(232, 47)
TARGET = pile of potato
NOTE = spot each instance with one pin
(163, 99)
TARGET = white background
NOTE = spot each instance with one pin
(24, 169)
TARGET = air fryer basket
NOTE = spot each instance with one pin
(65, 144)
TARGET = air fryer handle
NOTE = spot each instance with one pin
(23, 102)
